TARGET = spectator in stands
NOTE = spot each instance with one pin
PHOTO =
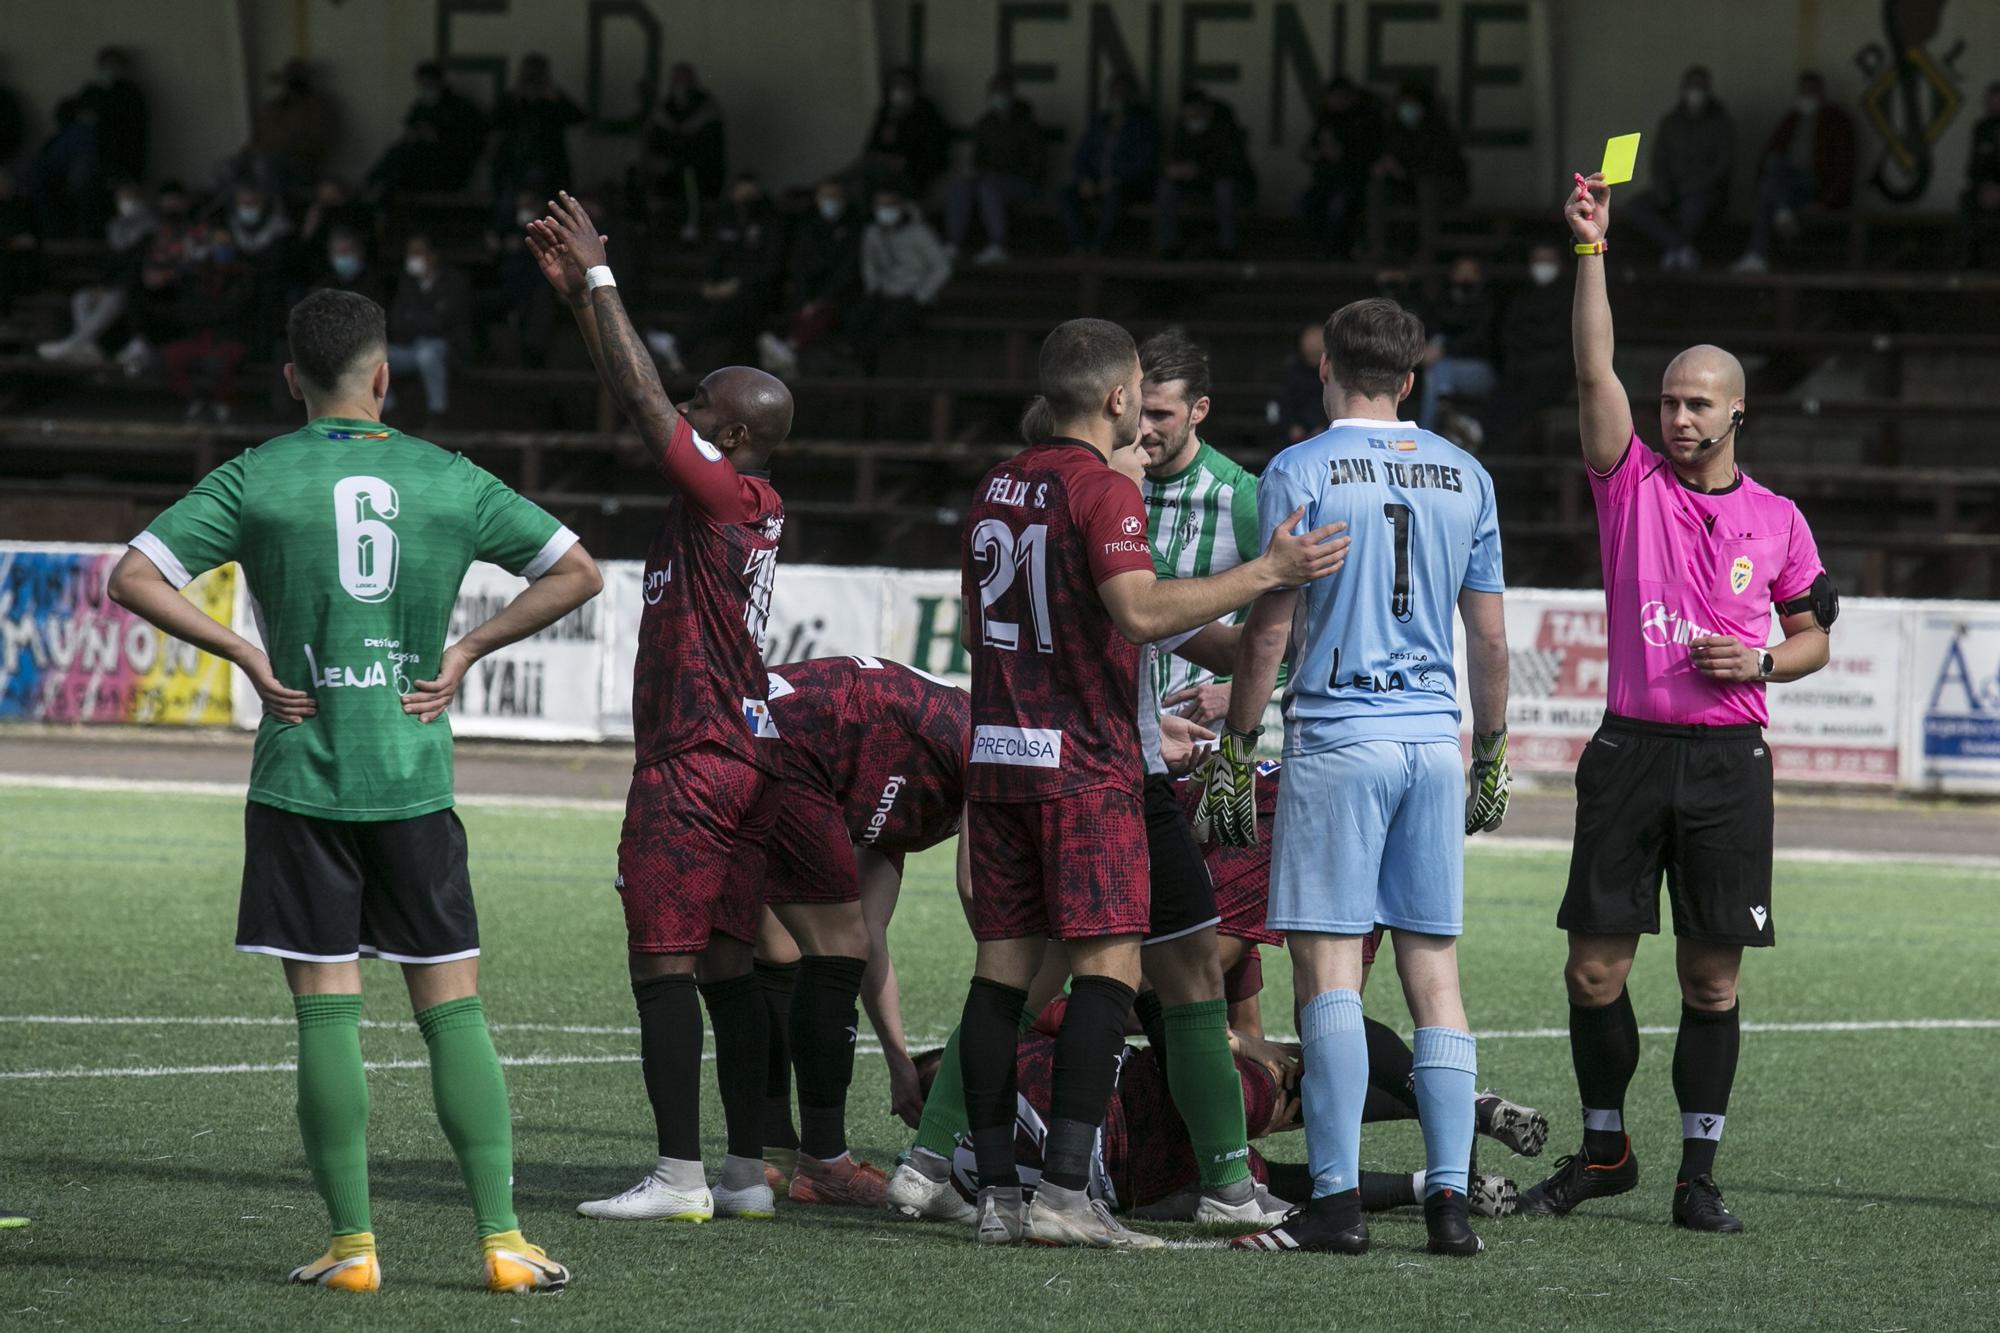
(1536, 367)
(165, 259)
(20, 245)
(1207, 156)
(1421, 165)
(334, 207)
(745, 277)
(1009, 161)
(347, 267)
(1693, 151)
(823, 278)
(262, 237)
(1299, 410)
(1114, 164)
(1459, 362)
(204, 330)
(444, 133)
(903, 268)
(1346, 143)
(1979, 204)
(96, 307)
(523, 299)
(909, 143)
(101, 136)
(1808, 165)
(532, 123)
(293, 134)
(684, 149)
(430, 322)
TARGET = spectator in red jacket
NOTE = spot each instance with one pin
(1808, 164)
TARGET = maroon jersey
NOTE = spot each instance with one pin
(1052, 678)
(700, 672)
(884, 741)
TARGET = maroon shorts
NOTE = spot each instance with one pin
(808, 858)
(691, 855)
(1244, 902)
(1074, 868)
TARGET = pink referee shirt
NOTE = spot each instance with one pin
(1679, 564)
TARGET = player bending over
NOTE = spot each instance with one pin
(355, 538)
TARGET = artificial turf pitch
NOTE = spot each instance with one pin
(1862, 1159)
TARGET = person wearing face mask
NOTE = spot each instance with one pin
(823, 278)
(1536, 368)
(1459, 356)
(102, 133)
(1346, 141)
(333, 205)
(1115, 162)
(521, 301)
(1421, 165)
(908, 142)
(1808, 165)
(98, 306)
(1693, 152)
(443, 135)
(430, 322)
(347, 268)
(1979, 204)
(744, 282)
(903, 268)
(1206, 157)
(207, 316)
(1009, 161)
(684, 162)
(263, 239)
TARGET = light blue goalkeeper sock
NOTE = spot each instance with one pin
(1334, 1085)
(1444, 1077)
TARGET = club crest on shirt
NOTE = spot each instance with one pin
(1739, 574)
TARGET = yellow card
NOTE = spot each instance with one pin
(1620, 156)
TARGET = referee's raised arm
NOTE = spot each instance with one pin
(1604, 413)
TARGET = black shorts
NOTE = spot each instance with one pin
(1183, 894)
(1694, 802)
(331, 890)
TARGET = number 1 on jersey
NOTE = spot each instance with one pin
(1401, 604)
(1005, 555)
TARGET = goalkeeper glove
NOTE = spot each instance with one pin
(1486, 797)
(1229, 790)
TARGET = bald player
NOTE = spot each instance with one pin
(708, 766)
(1678, 779)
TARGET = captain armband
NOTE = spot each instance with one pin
(1822, 599)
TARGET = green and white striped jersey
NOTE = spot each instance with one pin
(1200, 521)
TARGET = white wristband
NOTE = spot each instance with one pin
(599, 276)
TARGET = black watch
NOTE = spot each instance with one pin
(1767, 665)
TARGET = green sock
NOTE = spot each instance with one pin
(1207, 1090)
(333, 1106)
(944, 1110)
(471, 1094)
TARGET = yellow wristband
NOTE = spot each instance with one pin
(1591, 248)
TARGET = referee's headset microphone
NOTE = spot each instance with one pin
(1735, 420)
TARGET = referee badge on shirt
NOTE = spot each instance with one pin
(1739, 574)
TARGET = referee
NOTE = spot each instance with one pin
(354, 538)
(1678, 779)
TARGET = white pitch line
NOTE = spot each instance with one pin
(287, 1066)
(274, 1021)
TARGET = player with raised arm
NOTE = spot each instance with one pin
(355, 538)
(1372, 812)
(874, 770)
(1059, 590)
(1677, 780)
(708, 767)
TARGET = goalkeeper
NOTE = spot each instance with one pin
(1370, 821)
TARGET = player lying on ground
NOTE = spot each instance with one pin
(708, 774)
(355, 538)
(874, 770)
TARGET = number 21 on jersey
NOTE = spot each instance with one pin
(367, 544)
(1006, 557)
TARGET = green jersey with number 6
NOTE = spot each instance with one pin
(1201, 521)
(353, 539)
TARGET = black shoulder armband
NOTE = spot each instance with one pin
(1822, 599)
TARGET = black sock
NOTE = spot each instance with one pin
(1704, 1068)
(1391, 1066)
(1086, 1058)
(1153, 1018)
(1382, 1190)
(824, 1027)
(670, 1055)
(742, 1053)
(987, 1033)
(778, 980)
(1604, 1046)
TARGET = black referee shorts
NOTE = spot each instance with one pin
(1693, 802)
(1183, 894)
(331, 890)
